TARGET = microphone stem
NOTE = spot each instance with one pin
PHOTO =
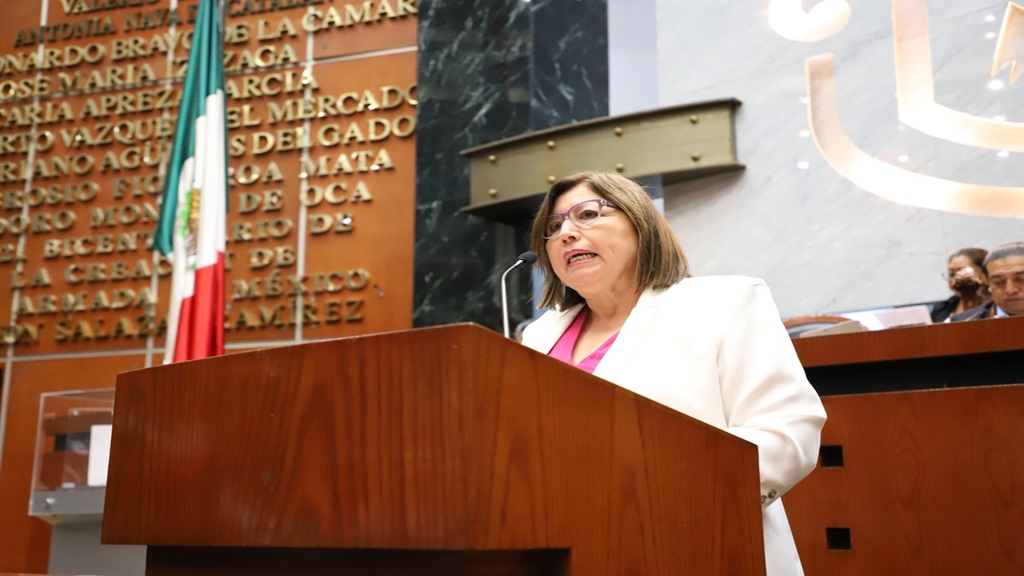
(527, 258)
(504, 297)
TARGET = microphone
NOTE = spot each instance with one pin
(527, 258)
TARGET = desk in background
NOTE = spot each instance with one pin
(922, 462)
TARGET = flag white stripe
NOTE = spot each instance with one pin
(206, 172)
(210, 179)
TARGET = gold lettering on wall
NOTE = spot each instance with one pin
(88, 102)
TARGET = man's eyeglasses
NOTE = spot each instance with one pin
(583, 215)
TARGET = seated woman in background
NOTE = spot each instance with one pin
(622, 305)
(966, 276)
(1004, 268)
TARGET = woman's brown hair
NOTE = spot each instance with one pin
(975, 255)
(661, 261)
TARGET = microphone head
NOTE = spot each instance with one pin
(528, 258)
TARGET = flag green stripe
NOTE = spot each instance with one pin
(204, 77)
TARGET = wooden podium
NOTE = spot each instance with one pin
(444, 450)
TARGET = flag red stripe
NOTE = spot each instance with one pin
(201, 327)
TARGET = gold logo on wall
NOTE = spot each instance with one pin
(917, 109)
(1010, 43)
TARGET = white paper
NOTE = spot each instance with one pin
(891, 317)
(99, 454)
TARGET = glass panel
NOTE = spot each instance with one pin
(73, 440)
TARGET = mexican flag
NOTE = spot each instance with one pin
(194, 206)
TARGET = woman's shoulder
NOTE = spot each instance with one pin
(708, 303)
(705, 293)
(716, 286)
(717, 300)
(710, 293)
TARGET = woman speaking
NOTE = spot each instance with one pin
(623, 306)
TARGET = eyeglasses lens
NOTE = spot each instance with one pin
(582, 215)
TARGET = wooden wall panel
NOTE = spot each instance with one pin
(16, 16)
(349, 194)
(24, 541)
(91, 247)
(388, 29)
(382, 240)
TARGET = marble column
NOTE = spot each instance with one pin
(488, 70)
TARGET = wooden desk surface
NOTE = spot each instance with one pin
(919, 342)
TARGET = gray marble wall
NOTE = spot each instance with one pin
(488, 70)
(822, 243)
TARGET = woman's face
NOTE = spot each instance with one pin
(963, 275)
(600, 259)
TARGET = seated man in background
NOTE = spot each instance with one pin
(1004, 267)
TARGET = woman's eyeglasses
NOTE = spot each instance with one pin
(583, 215)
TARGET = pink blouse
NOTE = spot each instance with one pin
(562, 350)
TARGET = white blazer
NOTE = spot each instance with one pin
(715, 349)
